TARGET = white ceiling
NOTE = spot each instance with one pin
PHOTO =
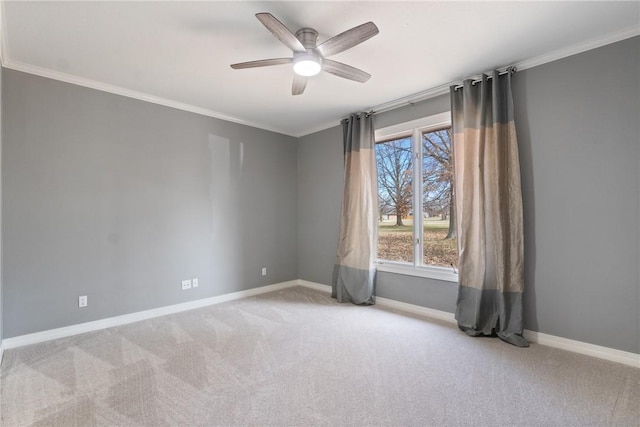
(178, 53)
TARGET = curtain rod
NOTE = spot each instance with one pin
(430, 93)
(509, 70)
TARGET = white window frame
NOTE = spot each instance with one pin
(416, 128)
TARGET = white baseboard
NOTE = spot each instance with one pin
(606, 353)
(416, 309)
(314, 285)
(386, 302)
(96, 325)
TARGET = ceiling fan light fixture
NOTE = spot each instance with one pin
(309, 58)
(307, 64)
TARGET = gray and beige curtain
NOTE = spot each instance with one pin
(354, 272)
(488, 209)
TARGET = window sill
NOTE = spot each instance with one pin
(437, 273)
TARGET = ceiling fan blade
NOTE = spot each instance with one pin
(348, 39)
(261, 63)
(345, 71)
(299, 84)
(281, 32)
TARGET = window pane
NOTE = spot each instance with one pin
(440, 245)
(395, 200)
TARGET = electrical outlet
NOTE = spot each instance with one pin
(186, 284)
(194, 282)
(264, 271)
(82, 301)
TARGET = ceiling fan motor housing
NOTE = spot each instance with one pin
(307, 63)
(308, 37)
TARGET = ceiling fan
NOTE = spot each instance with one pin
(309, 58)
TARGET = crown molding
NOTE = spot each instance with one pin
(319, 128)
(623, 34)
(381, 108)
(117, 90)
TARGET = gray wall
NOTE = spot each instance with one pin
(120, 200)
(578, 126)
(319, 199)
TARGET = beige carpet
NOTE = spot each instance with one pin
(296, 357)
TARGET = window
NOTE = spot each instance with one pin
(416, 224)
(394, 160)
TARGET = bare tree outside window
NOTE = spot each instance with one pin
(439, 242)
(395, 199)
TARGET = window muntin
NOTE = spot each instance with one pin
(414, 161)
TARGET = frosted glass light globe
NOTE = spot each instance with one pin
(307, 65)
